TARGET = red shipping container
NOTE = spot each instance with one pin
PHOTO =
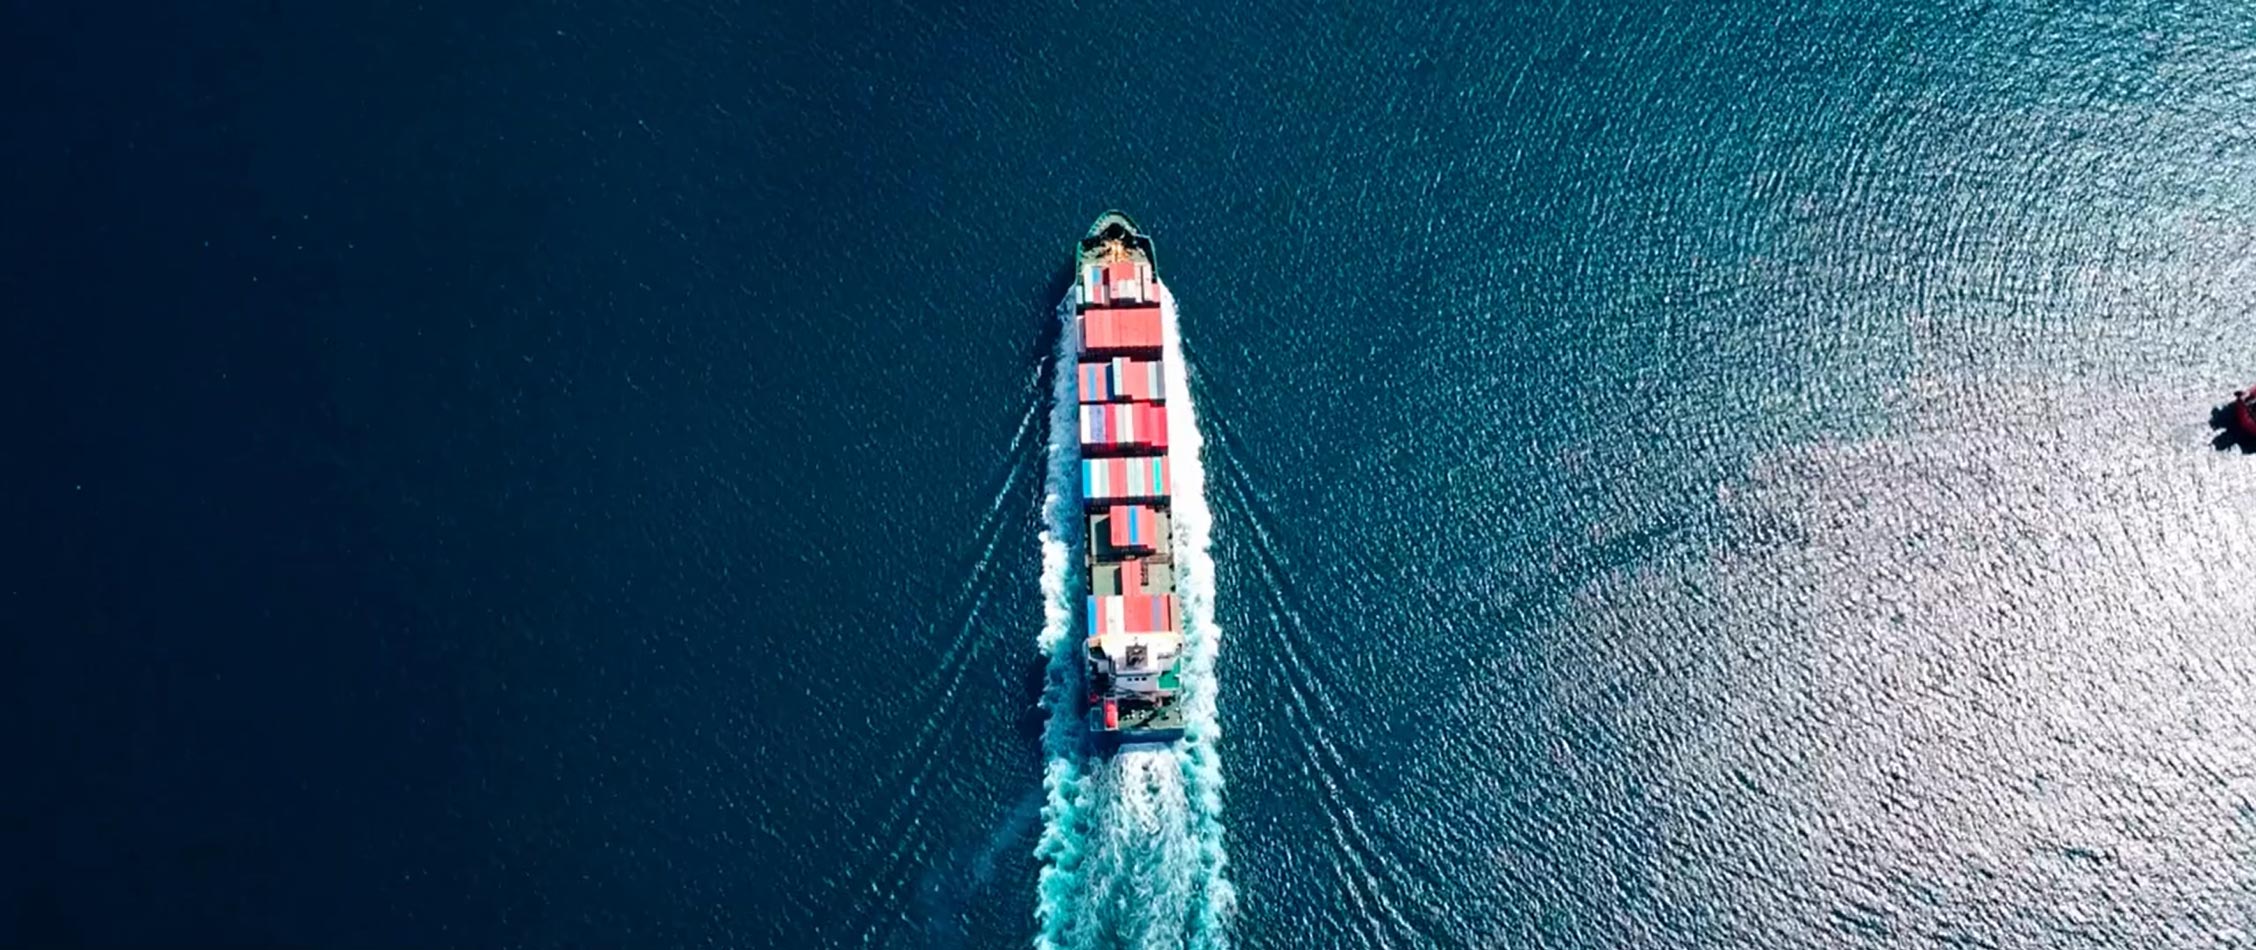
(1092, 331)
(1120, 328)
(1092, 385)
(1135, 526)
(1147, 612)
(1131, 380)
(1143, 327)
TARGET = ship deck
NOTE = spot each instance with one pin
(1141, 718)
(1114, 237)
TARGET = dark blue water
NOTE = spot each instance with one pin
(567, 475)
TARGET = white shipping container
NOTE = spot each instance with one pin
(1115, 612)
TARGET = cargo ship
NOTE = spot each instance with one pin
(1133, 638)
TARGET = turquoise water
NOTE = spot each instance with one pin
(1682, 476)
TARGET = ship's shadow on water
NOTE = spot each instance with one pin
(966, 875)
(1033, 669)
(969, 874)
(1043, 346)
(1032, 675)
(2229, 437)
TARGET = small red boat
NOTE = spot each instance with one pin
(2244, 412)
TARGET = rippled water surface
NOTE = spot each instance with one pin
(1682, 475)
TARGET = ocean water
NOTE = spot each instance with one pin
(1716, 475)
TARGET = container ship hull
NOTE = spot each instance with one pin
(1131, 631)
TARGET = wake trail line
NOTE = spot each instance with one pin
(905, 812)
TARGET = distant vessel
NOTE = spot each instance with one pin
(1133, 638)
(2243, 413)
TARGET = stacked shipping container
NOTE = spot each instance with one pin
(1094, 382)
(1125, 482)
(1121, 379)
(1134, 528)
(1131, 614)
(1123, 425)
(1117, 284)
(1124, 479)
(1137, 380)
(1112, 330)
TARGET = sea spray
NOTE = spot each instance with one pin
(1059, 849)
(1195, 584)
(1131, 849)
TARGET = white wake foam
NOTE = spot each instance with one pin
(1131, 848)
